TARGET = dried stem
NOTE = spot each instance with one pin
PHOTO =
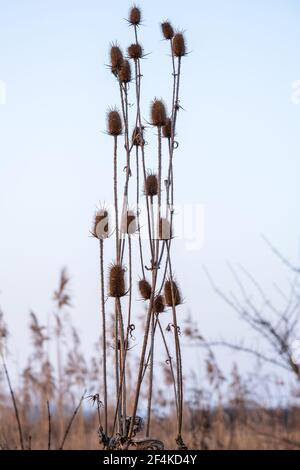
(49, 425)
(71, 421)
(17, 416)
(103, 316)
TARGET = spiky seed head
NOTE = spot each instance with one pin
(116, 58)
(158, 113)
(116, 281)
(114, 123)
(151, 185)
(135, 51)
(169, 287)
(164, 229)
(178, 45)
(125, 72)
(100, 226)
(129, 223)
(138, 137)
(145, 289)
(158, 304)
(135, 16)
(167, 129)
(167, 30)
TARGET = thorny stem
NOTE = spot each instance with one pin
(116, 198)
(150, 377)
(178, 350)
(142, 355)
(171, 364)
(116, 338)
(150, 308)
(122, 367)
(103, 315)
(138, 210)
(138, 75)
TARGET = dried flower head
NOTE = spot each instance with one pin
(145, 289)
(164, 229)
(135, 16)
(151, 185)
(178, 45)
(172, 293)
(158, 304)
(138, 136)
(100, 228)
(125, 72)
(129, 222)
(167, 129)
(135, 51)
(116, 58)
(114, 123)
(158, 113)
(116, 281)
(167, 30)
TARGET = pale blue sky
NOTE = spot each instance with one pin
(239, 144)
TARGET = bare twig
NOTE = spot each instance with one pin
(71, 421)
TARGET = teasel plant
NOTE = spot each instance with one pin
(146, 264)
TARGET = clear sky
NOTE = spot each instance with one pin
(239, 145)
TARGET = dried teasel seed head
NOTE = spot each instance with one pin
(114, 123)
(167, 129)
(116, 58)
(138, 137)
(158, 304)
(169, 286)
(158, 113)
(151, 185)
(125, 72)
(129, 223)
(100, 228)
(178, 45)
(167, 30)
(116, 281)
(145, 289)
(135, 16)
(164, 229)
(135, 51)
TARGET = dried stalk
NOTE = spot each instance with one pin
(13, 399)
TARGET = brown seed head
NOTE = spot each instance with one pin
(167, 30)
(135, 16)
(114, 123)
(138, 137)
(116, 281)
(169, 286)
(145, 289)
(167, 129)
(151, 185)
(116, 59)
(125, 72)
(135, 51)
(100, 225)
(158, 113)
(178, 45)
(158, 304)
